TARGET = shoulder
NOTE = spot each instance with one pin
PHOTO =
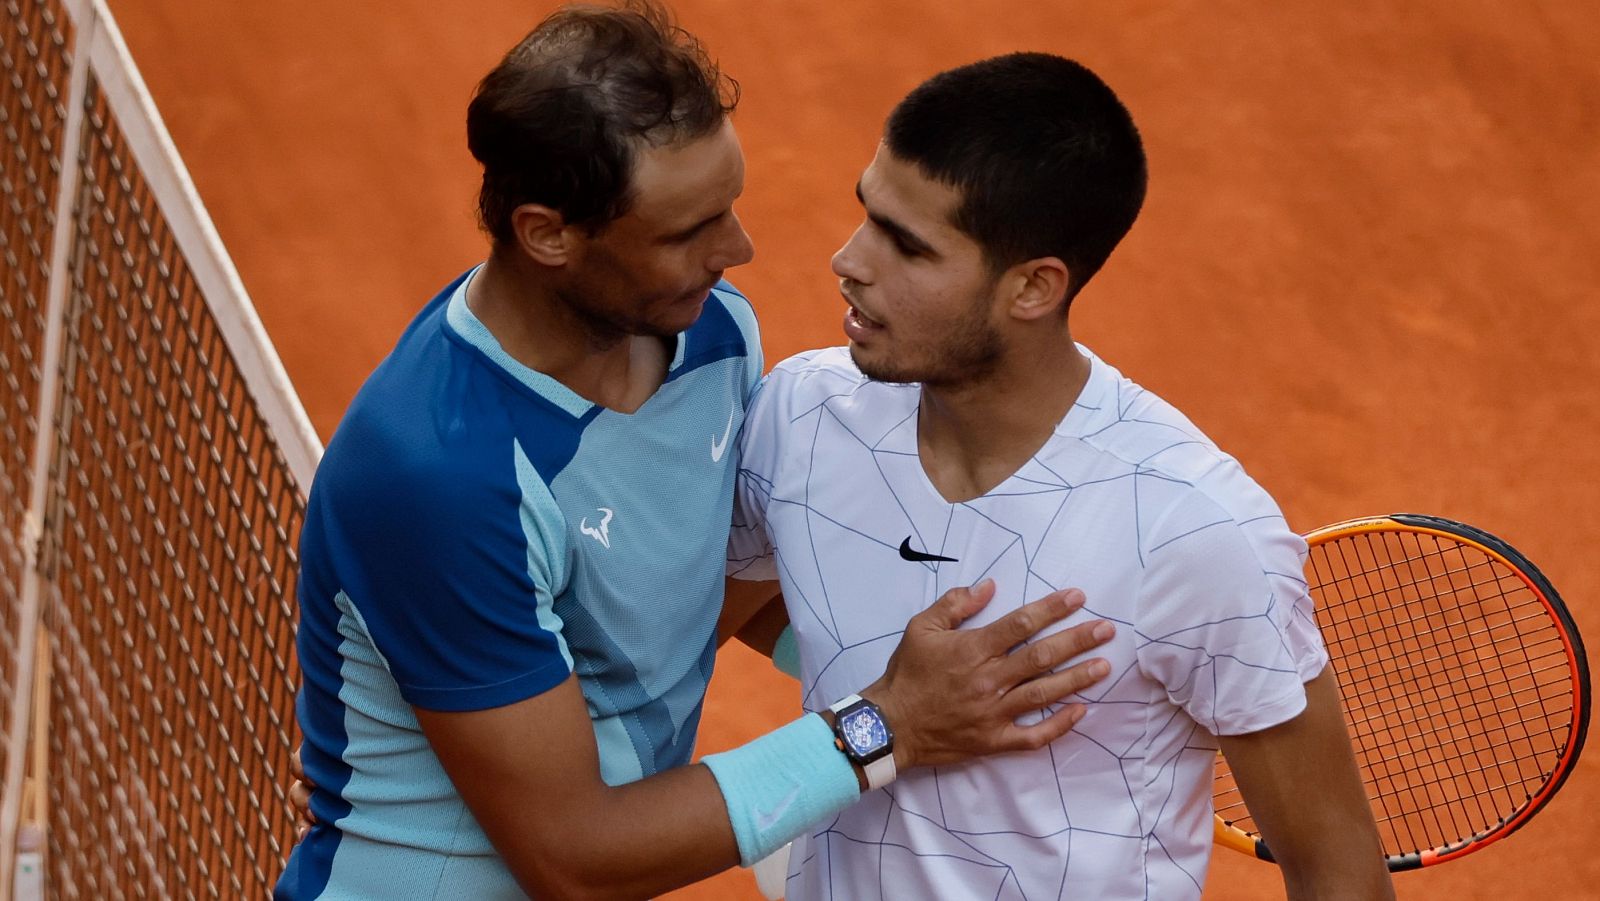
(1216, 524)
(1126, 422)
(1135, 425)
(737, 306)
(1186, 481)
(385, 483)
(428, 449)
(399, 510)
(821, 395)
(726, 328)
(822, 372)
(806, 382)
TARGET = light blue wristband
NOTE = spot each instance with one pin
(781, 783)
(786, 653)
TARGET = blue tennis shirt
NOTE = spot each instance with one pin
(476, 532)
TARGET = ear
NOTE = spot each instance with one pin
(542, 234)
(1038, 287)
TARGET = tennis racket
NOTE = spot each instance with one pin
(1464, 682)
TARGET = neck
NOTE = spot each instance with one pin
(973, 436)
(527, 316)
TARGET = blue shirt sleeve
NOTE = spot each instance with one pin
(449, 559)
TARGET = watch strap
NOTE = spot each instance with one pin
(843, 704)
(879, 772)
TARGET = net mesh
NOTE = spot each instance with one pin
(170, 526)
(34, 63)
(1455, 684)
(171, 691)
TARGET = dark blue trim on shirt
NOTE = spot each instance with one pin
(715, 335)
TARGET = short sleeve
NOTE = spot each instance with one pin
(1225, 621)
(452, 577)
(750, 552)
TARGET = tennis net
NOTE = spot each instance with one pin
(153, 461)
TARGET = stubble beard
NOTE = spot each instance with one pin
(603, 329)
(971, 352)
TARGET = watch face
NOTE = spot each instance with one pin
(863, 731)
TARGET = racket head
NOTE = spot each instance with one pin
(1463, 678)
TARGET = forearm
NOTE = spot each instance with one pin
(530, 774)
(530, 771)
(1337, 883)
(772, 789)
(1346, 863)
(637, 840)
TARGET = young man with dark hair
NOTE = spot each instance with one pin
(511, 559)
(963, 435)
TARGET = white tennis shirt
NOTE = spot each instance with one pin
(1128, 501)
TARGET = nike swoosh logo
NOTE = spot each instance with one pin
(906, 553)
(766, 819)
(717, 447)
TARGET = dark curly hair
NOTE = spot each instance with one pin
(560, 118)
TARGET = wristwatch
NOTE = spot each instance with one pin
(862, 734)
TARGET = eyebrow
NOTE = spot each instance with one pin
(905, 236)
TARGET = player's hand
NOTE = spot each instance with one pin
(300, 797)
(952, 694)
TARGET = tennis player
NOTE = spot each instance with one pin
(512, 556)
(964, 435)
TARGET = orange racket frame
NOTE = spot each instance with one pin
(1521, 606)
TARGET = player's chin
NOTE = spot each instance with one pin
(875, 364)
(680, 312)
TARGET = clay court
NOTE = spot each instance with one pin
(1366, 266)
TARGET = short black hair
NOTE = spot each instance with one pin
(558, 122)
(1046, 158)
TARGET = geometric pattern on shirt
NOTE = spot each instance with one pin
(1126, 488)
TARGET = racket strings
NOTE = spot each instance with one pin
(1432, 735)
(1484, 792)
(1366, 705)
(1405, 667)
(1431, 779)
(1453, 678)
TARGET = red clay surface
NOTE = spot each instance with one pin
(1366, 266)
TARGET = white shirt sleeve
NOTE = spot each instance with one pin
(1224, 618)
(750, 553)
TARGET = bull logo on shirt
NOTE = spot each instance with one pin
(601, 534)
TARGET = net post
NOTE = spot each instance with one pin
(85, 15)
